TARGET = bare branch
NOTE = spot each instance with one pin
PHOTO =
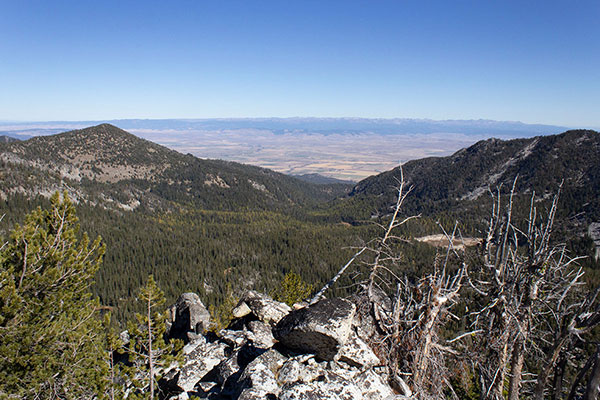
(321, 292)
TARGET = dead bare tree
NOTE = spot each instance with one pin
(417, 354)
(532, 302)
(592, 391)
(571, 317)
(591, 362)
(408, 314)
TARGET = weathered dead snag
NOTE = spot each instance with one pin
(407, 314)
(533, 303)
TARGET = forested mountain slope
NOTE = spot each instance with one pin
(7, 139)
(459, 182)
(197, 225)
(106, 165)
(458, 188)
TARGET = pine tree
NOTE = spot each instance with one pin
(293, 289)
(149, 353)
(222, 314)
(50, 333)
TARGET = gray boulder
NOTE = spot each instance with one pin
(258, 378)
(197, 363)
(357, 353)
(227, 368)
(190, 347)
(373, 386)
(234, 338)
(262, 306)
(329, 387)
(321, 328)
(319, 354)
(252, 394)
(343, 370)
(258, 333)
(189, 318)
(241, 310)
(300, 369)
(301, 377)
(304, 391)
(180, 396)
(261, 334)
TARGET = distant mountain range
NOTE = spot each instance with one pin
(348, 149)
(396, 126)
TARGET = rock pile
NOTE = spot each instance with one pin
(272, 352)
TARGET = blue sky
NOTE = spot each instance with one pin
(533, 61)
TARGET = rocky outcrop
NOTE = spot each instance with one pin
(356, 352)
(189, 318)
(200, 357)
(262, 306)
(271, 352)
(321, 328)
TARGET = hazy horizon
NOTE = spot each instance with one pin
(349, 149)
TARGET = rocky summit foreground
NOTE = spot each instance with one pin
(270, 351)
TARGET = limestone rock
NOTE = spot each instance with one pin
(319, 355)
(234, 338)
(304, 391)
(180, 396)
(321, 328)
(229, 369)
(241, 310)
(206, 390)
(343, 370)
(252, 394)
(302, 369)
(191, 346)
